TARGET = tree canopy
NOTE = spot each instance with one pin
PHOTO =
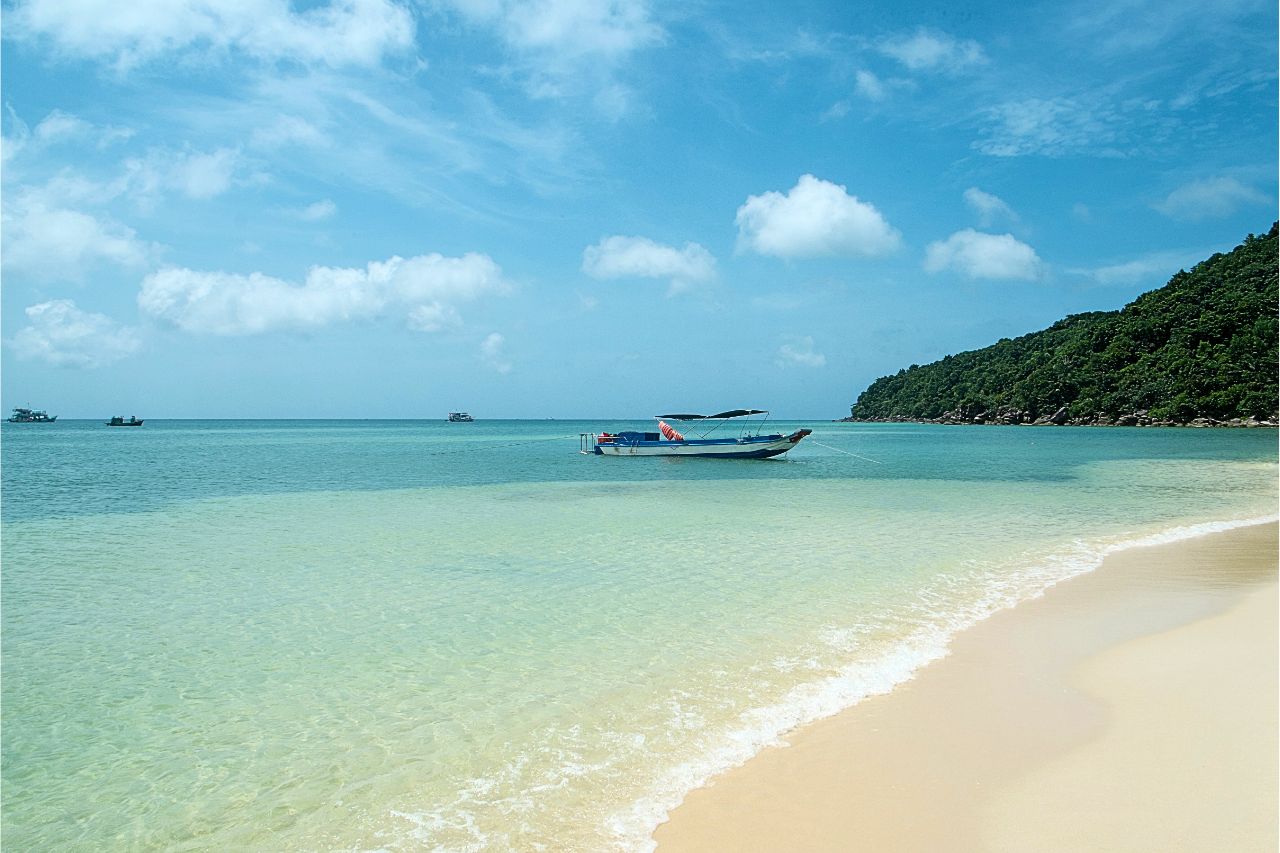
(1202, 346)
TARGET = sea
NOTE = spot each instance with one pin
(422, 636)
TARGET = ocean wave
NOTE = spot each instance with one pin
(632, 828)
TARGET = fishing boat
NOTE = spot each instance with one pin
(30, 416)
(460, 418)
(117, 420)
(751, 442)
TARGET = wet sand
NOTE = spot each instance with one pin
(1133, 708)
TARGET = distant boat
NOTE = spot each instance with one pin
(460, 418)
(119, 421)
(669, 442)
(30, 416)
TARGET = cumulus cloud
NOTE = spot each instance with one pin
(927, 51)
(814, 218)
(640, 257)
(340, 32)
(800, 353)
(978, 255)
(50, 242)
(491, 352)
(428, 288)
(1209, 199)
(988, 207)
(62, 335)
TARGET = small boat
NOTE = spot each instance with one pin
(668, 441)
(119, 421)
(460, 418)
(30, 416)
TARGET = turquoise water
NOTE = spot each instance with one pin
(391, 635)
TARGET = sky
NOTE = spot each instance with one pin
(564, 208)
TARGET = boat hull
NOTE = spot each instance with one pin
(756, 447)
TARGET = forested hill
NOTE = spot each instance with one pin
(1201, 349)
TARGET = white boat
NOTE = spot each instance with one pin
(668, 441)
(460, 418)
(22, 415)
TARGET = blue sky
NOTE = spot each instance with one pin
(562, 208)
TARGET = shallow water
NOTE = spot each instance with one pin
(417, 635)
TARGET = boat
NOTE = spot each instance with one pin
(460, 418)
(117, 420)
(668, 441)
(30, 416)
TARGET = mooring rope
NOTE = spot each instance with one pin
(845, 452)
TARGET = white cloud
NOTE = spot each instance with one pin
(800, 353)
(491, 352)
(58, 125)
(1054, 128)
(988, 207)
(640, 257)
(428, 288)
(51, 242)
(612, 28)
(1155, 268)
(288, 130)
(341, 32)
(870, 87)
(838, 110)
(814, 218)
(323, 209)
(569, 47)
(977, 255)
(196, 175)
(434, 317)
(203, 176)
(926, 51)
(1208, 199)
(55, 128)
(62, 335)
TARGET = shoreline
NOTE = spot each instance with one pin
(1027, 697)
(1122, 421)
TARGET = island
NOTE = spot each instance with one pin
(1199, 351)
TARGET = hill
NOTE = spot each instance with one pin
(1202, 349)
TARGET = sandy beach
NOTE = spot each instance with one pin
(1133, 708)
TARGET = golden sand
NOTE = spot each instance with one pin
(1133, 708)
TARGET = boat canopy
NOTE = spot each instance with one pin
(732, 413)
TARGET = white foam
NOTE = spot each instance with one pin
(633, 827)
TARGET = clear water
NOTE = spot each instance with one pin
(426, 636)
